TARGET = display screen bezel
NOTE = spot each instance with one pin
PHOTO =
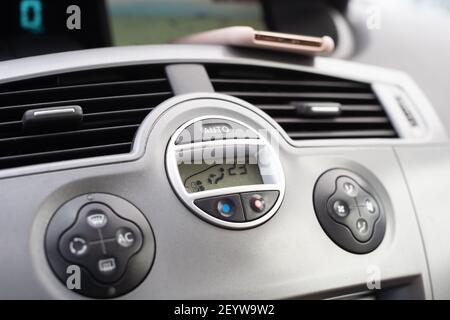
(257, 148)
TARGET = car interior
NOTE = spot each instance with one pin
(224, 149)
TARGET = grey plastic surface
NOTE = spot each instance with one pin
(287, 257)
(187, 78)
(408, 36)
(427, 172)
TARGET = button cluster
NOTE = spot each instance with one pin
(101, 241)
(350, 210)
(100, 245)
(242, 207)
(353, 207)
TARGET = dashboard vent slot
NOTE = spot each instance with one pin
(279, 92)
(114, 103)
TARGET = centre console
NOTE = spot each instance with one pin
(223, 175)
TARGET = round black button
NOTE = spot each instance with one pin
(341, 208)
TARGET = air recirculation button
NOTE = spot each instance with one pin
(107, 238)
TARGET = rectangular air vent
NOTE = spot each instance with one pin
(114, 102)
(282, 94)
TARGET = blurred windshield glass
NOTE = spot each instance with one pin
(161, 21)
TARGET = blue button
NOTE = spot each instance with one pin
(225, 208)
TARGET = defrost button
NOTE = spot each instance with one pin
(97, 220)
(107, 266)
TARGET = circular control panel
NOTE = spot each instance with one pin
(100, 245)
(225, 172)
(349, 210)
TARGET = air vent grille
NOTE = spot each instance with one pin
(279, 91)
(114, 103)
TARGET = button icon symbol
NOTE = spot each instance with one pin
(97, 220)
(107, 265)
(78, 246)
(341, 208)
(226, 208)
(362, 226)
(350, 189)
(125, 237)
(370, 206)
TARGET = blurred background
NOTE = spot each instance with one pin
(160, 21)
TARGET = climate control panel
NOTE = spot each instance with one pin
(103, 237)
(350, 210)
(225, 171)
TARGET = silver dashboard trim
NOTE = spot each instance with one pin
(276, 181)
(53, 111)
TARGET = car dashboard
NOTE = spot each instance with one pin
(332, 182)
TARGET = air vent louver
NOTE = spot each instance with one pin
(278, 92)
(114, 103)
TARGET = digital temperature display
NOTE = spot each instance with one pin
(202, 177)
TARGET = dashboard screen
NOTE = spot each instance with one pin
(31, 27)
(162, 21)
(201, 177)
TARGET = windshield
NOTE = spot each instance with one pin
(33, 27)
(162, 21)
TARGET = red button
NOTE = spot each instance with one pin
(257, 203)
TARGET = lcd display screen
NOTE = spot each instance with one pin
(202, 177)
